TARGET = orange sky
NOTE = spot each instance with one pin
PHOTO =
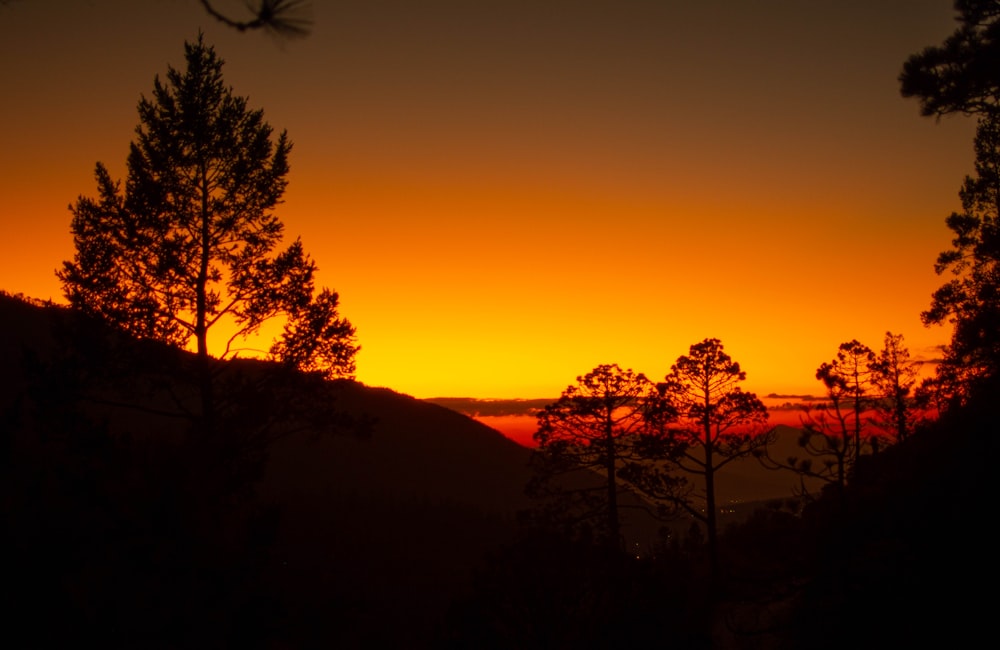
(507, 193)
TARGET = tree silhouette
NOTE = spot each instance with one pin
(281, 17)
(317, 339)
(894, 379)
(947, 389)
(837, 433)
(598, 427)
(959, 76)
(970, 300)
(191, 242)
(849, 381)
(716, 422)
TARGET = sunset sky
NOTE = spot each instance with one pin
(507, 193)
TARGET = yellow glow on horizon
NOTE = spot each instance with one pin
(497, 223)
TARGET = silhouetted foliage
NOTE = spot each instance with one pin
(716, 423)
(836, 433)
(598, 429)
(868, 408)
(894, 380)
(190, 243)
(947, 389)
(849, 382)
(284, 18)
(959, 76)
(317, 339)
(970, 301)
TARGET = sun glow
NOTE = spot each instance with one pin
(506, 225)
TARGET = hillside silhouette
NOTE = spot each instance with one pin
(397, 525)
(361, 533)
(365, 534)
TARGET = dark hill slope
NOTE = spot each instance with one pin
(904, 558)
(919, 524)
(327, 540)
(394, 523)
(417, 451)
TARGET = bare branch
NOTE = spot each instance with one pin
(280, 17)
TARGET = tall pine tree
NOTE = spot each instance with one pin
(192, 242)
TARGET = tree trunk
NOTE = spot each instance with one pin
(710, 514)
(614, 525)
(201, 310)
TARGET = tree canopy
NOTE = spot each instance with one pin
(868, 406)
(836, 434)
(717, 422)
(960, 75)
(970, 299)
(598, 425)
(192, 240)
(895, 378)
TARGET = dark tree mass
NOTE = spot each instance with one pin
(190, 245)
(960, 75)
(717, 423)
(599, 427)
(970, 300)
(868, 407)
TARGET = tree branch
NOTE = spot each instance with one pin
(278, 16)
